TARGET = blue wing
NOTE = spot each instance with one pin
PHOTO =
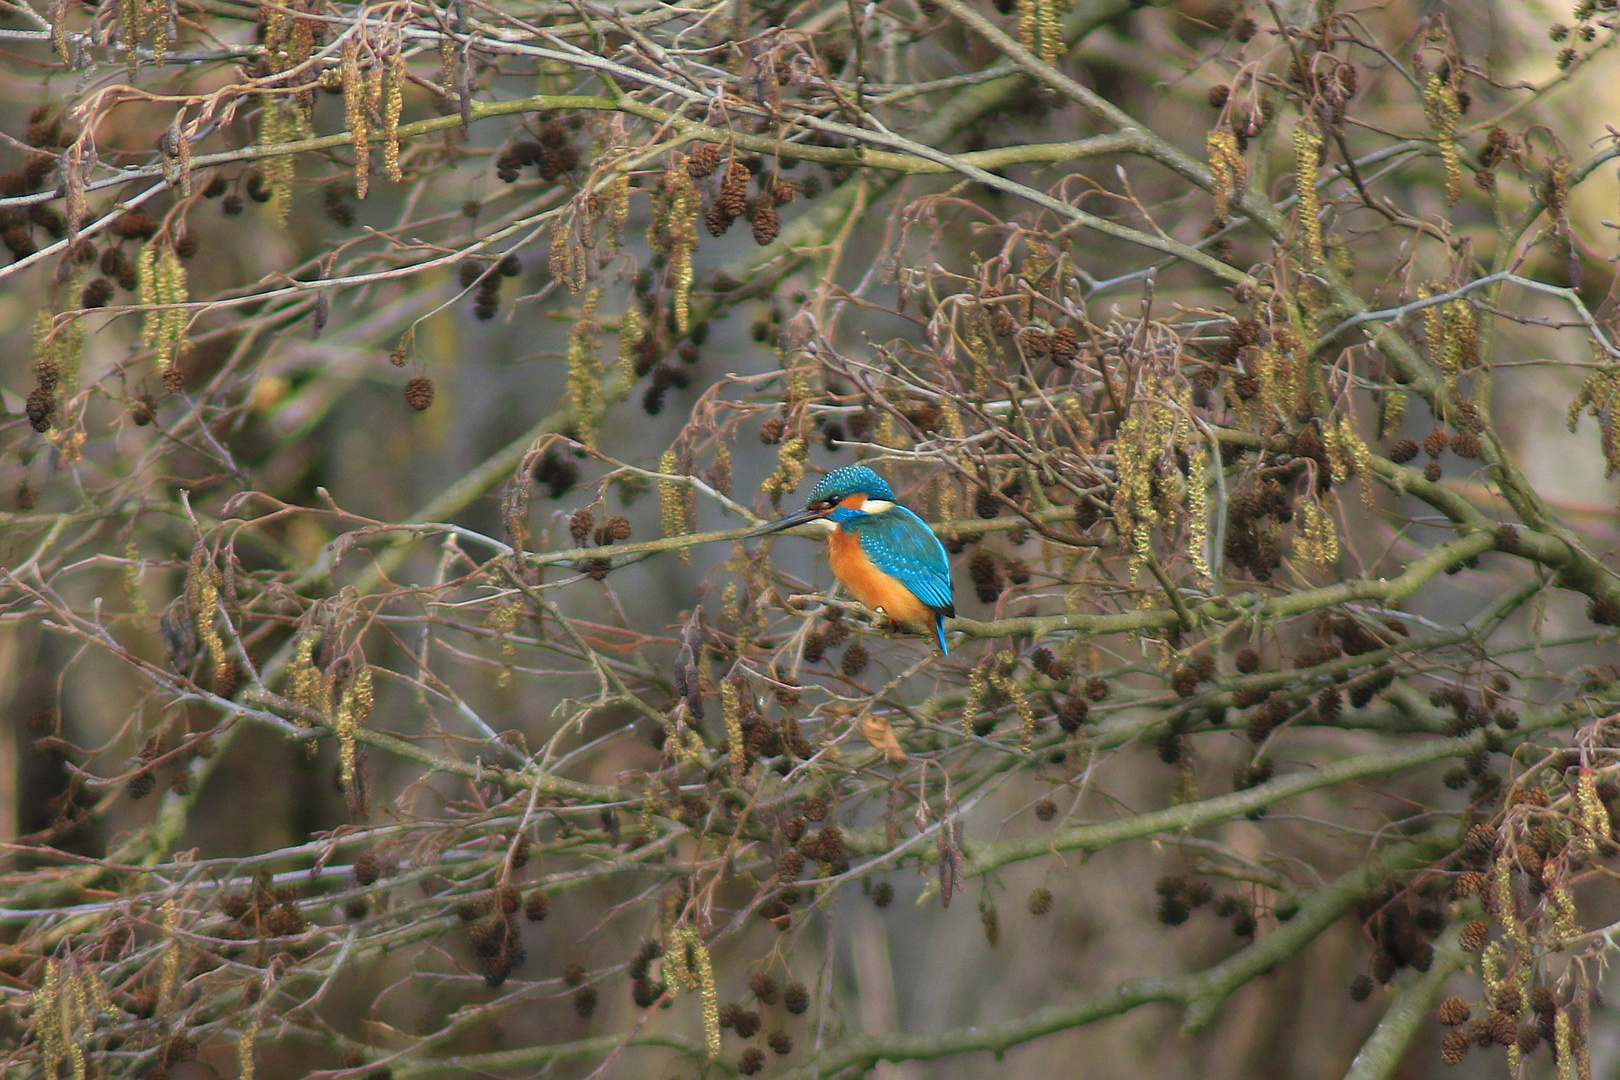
(899, 542)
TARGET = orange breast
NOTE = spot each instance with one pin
(872, 586)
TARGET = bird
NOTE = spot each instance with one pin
(884, 554)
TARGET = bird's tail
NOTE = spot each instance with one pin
(939, 629)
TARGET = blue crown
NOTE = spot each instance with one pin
(850, 480)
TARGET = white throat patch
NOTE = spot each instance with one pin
(825, 525)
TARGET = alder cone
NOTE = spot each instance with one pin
(767, 225)
(419, 393)
(703, 161)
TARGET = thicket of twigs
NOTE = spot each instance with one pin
(370, 724)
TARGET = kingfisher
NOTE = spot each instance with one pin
(885, 555)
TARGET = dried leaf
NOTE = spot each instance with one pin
(877, 731)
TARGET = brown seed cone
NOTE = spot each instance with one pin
(704, 160)
(763, 987)
(1454, 1047)
(1454, 1011)
(1474, 936)
(419, 393)
(41, 406)
(1468, 884)
(767, 225)
(734, 196)
(1065, 345)
(717, 219)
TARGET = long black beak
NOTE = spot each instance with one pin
(798, 517)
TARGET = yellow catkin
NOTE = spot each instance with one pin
(631, 332)
(678, 974)
(44, 1006)
(357, 702)
(618, 196)
(790, 459)
(46, 344)
(503, 620)
(1020, 704)
(61, 39)
(157, 21)
(1307, 144)
(978, 684)
(1594, 816)
(146, 294)
(585, 371)
(799, 369)
(731, 706)
(1227, 171)
(356, 115)
(720, 475)
(731, 616)
(281, 123)
(1561, 1042)
(711, 996)
(132, 19)
(72, 1017)
(244, 1047)
(1050, 25)
(1360, 459)
(1028, 21)
(1462, 337)
(684, 205)
(978, 340)
(169, 970)
(1147, 430)
(1562, 907)
(277, 28)
(1317, 541)
(1444, 109)
(1198, 509)
(393, 108)
(559, 252)
(1503, 905)
(207, 603)
(671, 503)
(303, 680)
(1434, 328)
(173, 293)
(1393, 415)
(133, 565)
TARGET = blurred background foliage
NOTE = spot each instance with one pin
(387, 689)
